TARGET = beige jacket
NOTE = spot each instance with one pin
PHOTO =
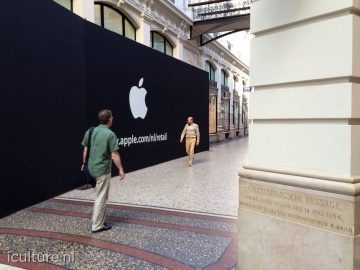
(191, 131)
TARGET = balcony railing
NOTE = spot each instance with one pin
(220, 9)
(225, 88)
(212, 83)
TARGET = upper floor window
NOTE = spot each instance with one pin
(65, 3)
(161, 44)
(210, 68)
(112, 19)
(236, 81)
(224, 78)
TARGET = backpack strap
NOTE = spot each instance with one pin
(89, 143)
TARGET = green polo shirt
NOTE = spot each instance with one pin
(103, 142)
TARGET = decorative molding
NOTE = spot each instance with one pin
(120, 2)
(339, 178)
(147, 8)
(238, 63)
(302, 180)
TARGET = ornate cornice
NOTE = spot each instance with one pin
(148, 12)
(227, 61)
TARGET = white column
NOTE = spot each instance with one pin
(299, 203)
(232, 87)
(178, 52)
(143, 33)
(203, 59)
(85, 9)
(219, 120)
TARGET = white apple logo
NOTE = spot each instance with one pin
(137, 101)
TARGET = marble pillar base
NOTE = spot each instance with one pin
(283, 227)
(221, 136)
(213, 138)
(232, 133)
(242, 130)
(246, 131)
(220, 133)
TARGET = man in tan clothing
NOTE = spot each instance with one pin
(192, 134)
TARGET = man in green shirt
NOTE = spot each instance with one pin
(104, 149)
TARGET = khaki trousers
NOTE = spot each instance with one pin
(190, 145)
(102, 188)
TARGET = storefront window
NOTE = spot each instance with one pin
(130, 30)
(209, 68)
(97, 15)
(226, 119)
(66, 4)
(236, 116)
(224, 78)
(212, 114)
(161, 44)
(113, 20)
(168, 49)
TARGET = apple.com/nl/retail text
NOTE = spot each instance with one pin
(154, 137)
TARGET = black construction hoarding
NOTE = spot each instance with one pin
(57, 72)
(150, 94)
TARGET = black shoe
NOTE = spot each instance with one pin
(105, 227)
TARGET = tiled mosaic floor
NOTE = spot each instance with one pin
(141, 238)
(167, 216)
(209, 186)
